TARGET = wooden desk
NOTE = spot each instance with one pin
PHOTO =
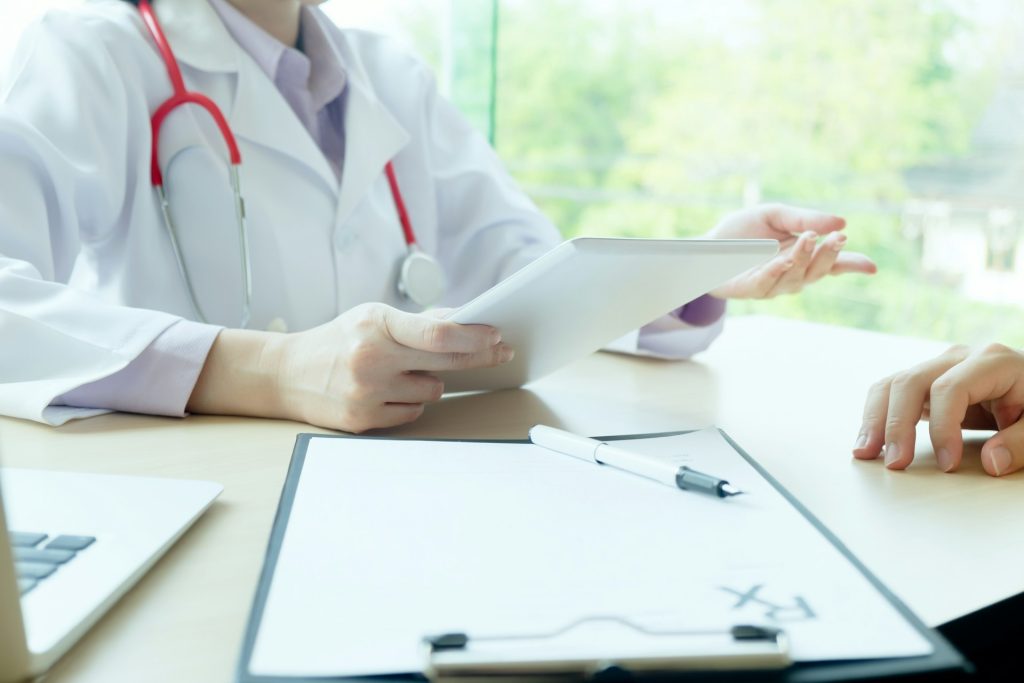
(790, 392)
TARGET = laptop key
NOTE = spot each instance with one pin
(42, 555)
(25, 585)
(25, 539)
(33, 570)
(66, 542)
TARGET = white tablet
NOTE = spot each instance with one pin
(589, 291)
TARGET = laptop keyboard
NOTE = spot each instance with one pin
(38, 557)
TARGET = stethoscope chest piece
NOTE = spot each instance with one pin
(421, 278)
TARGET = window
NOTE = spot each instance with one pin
(655, 117)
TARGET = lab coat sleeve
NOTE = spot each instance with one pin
(171, 364)
(682, 333)
(668, 338)
(490, 228)
(64, 146)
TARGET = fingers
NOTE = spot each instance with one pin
(893, 407)
(756, 282)
(957, 390)
(796, 266)
(813, 263)
(800, 255)
(426, 333)
(872, 432)
(400, 401)
(793, 220)
(908, 393)
(413, 387)
(824, 257)
(1004, 452)
(988, 374)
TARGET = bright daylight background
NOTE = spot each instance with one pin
(655, 117)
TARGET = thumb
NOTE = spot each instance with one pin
(426, 333)
(1004, 452)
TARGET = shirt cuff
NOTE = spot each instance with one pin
(159, 381)
(703, 311)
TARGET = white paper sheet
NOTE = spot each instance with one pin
(389, 541)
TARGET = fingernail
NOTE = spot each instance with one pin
(839, 242)
(507, 354)
(945, 460)
(1000, 460)
(809, 244)
(892, 454)
(862, 441)
(787, 265)
(495, 337)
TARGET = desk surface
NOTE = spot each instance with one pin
(789, 392)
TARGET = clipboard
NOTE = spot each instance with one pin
(743, 652)
(453, 656)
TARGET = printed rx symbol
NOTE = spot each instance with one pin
(797, 610)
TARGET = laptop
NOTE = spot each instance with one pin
(71, 545)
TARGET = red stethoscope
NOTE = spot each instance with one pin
(420, 276)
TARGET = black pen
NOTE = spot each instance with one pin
(641, 464)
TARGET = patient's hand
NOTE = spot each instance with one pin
(961, 389)
(810, 247)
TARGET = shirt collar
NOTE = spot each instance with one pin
(317, 63)
(327, 75)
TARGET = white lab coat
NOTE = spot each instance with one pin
(87, 275)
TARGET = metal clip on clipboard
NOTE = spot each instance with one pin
(595, 645)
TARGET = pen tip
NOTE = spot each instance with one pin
(729, 490)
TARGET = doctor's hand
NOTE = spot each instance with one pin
(368, 368)
(810, 247)
(961, 389)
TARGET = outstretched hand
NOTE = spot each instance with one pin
(810, 247)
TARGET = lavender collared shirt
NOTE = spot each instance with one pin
(312, 80)
(702, 311)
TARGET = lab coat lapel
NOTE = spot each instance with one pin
(258, 114)
(262, 116)
(372, 138)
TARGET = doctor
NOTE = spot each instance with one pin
(283, 286)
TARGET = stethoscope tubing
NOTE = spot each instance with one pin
(181, 96)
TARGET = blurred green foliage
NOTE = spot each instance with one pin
(654, 118)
